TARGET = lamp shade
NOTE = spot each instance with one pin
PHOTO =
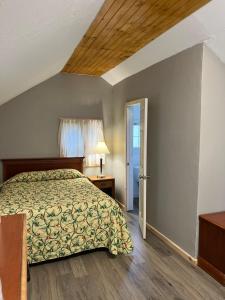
(101, 148)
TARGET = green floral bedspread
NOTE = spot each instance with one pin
(65, 216)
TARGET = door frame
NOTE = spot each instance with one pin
(127, 104)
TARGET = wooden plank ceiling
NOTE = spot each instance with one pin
(121, 28)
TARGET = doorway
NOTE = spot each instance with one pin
(136, 159)
(133, 147)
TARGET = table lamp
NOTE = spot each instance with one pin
(101, 149)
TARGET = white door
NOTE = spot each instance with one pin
(143, 160)
(143, 166)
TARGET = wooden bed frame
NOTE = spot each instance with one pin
(12, 167)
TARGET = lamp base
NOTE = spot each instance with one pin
(100, 176)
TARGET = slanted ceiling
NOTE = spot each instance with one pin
(37, 37)
(205, 25)
(121, 28)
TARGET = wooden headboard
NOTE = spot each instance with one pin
(12, 167)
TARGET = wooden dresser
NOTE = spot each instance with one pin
(211, 253)
(13, 258)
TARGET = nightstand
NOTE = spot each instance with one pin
(105, 184)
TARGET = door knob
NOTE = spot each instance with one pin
(144, 176)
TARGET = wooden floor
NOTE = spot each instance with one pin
(153, 271)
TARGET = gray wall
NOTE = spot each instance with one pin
(174, 91)
(29, 123)
(212, 146)
(29, 128)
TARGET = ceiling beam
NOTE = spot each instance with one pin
(121, 28)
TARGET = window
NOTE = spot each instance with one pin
(78, 137)
(136, 136)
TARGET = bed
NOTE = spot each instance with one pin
(66, 213)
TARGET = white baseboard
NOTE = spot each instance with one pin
(171, 244)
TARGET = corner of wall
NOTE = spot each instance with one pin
(212, 146)
(199, 147)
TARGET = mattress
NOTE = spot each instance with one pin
(66, 214)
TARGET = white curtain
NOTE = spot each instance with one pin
(78, 137)
(71, 138)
